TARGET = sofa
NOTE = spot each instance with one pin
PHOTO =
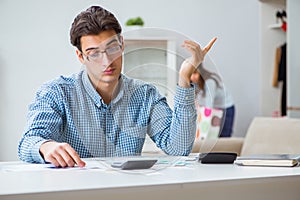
(264, 136)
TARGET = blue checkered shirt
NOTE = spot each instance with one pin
(70, 110)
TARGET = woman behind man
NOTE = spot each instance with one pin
(210, 92)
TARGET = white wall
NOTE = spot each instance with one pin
(34, 48)
(293, 59)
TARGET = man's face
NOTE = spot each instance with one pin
(102, 56)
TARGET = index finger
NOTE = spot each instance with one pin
(75, 156)
(207, 48)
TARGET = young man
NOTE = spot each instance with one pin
(100, 112)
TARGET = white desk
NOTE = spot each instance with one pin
(195, 181)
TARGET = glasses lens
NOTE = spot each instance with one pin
(113, 49)
(94, 55)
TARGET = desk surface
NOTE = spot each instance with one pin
(92, 181)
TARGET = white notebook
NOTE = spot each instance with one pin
(274, 160)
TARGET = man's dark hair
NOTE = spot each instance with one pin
(91, 22)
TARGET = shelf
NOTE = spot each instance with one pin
(275, 26)
(273, 1)
(152, 59)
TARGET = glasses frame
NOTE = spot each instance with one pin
(105, 51)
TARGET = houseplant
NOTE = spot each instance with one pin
(138, 21)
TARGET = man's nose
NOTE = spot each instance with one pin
(106, 61)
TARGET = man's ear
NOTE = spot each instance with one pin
(80, 56)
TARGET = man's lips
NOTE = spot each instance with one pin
(109, 71)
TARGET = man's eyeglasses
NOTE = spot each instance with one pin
(96, 54)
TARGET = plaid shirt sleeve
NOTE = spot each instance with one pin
(174, 132)
(44, 122)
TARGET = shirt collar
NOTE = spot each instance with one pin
(94, 94)
(90, 89)
(119, 92)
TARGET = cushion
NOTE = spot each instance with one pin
(272, 136)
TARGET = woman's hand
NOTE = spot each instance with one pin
(189, 65)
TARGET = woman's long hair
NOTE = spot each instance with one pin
(205, 75)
